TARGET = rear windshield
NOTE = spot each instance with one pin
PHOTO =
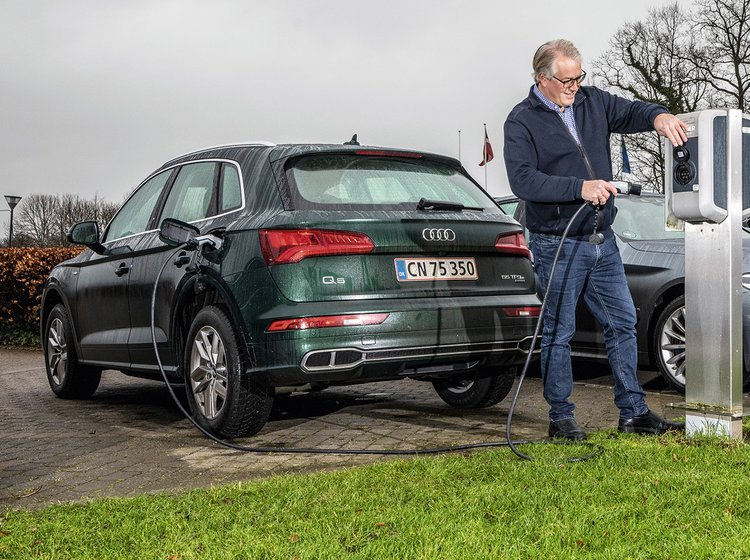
(341, 181)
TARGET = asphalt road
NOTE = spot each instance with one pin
(130, 438)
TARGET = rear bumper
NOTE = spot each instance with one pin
(334, 359)
(422, 339)
(350, 365)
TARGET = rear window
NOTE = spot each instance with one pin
(341, 181)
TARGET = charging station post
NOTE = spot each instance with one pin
(706, 195)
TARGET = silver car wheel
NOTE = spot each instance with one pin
(57, 351)
(486, 387)
(672, 345)
(461, 386)
(208, 372)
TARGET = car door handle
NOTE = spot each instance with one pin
(122, 269)
(182, 260)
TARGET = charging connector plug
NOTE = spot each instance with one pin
(207, 242)
(626, 187)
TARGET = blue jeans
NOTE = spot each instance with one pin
(598, 273)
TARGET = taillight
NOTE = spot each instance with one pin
(281, 246)
(514, 243)
(521, 312)
(326, 321)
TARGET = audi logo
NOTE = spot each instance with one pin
(438, 234)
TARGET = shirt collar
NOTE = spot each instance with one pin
(549, 104)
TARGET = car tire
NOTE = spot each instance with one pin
(477, 390)
(669, 346)
(67, 378)
(223, 399)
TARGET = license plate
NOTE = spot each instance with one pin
(418, 269)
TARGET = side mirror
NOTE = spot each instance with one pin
(175, 233)
(86, 233)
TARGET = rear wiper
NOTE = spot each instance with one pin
(425, 204)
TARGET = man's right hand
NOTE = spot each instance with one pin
(597, 192)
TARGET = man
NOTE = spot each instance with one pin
(557, 155)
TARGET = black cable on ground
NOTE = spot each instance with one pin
(311, 450)
(598, 449)
(413, 452)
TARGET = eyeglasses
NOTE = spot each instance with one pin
(570, 81)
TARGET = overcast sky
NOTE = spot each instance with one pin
(97, 94)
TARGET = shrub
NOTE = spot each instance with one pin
(23, 272)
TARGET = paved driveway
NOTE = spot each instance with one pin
(130, 438)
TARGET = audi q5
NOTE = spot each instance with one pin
(330, 265)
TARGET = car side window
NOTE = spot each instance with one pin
(230, 195)
(191, 195)
(135, 214)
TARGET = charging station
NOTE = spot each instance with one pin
(707, 194)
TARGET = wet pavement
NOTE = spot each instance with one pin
(130, 438)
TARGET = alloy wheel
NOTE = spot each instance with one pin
(208, 372)
(672, 345)
(460, 386)
(57, 351)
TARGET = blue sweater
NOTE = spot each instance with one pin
(545, 166)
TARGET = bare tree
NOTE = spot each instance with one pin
(724, 57)
(71, 210)
(44, 220)
(649, 61)
(37, 218)
(74, 209)
(686, 61)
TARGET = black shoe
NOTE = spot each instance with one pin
(649, 423)
(566, 429)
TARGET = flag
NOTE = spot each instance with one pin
(487, 155)
(625, 159)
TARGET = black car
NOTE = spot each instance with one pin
(654, 261)
(306, 266)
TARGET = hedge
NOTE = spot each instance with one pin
(23, 272)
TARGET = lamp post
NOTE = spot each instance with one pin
(12, 203)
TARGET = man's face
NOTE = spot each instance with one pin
(561, 95)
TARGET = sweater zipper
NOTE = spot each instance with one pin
(581, 150)
(585, 157)
(589, 168)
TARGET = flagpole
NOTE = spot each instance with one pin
(485, 165)
(487, 154)
(459, 145)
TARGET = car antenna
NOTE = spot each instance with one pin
(352, 142)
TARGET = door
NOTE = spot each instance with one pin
(103, 300)
(103, 311)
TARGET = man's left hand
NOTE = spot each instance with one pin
(672, 128)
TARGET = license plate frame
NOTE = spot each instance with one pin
(425, 269)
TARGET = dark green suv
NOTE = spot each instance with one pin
(334, 264)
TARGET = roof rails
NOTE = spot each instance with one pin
(220, 146)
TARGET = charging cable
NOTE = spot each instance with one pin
(598, 450)
(211, 242)
(623, 187)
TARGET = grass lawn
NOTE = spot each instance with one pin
(645, 497)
